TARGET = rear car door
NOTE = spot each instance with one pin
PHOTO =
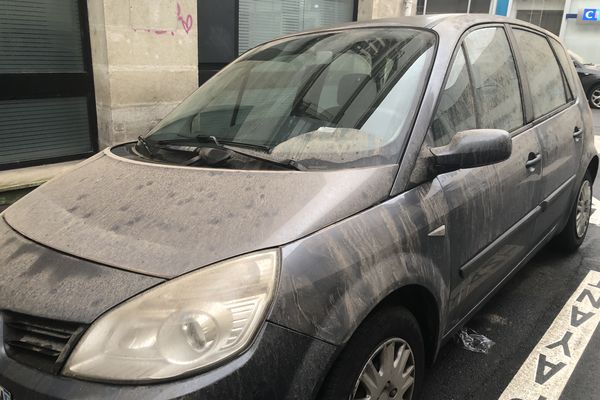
(490, 220)
(557, 123)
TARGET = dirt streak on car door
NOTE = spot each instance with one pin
(490, 222)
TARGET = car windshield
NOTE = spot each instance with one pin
(334, 99)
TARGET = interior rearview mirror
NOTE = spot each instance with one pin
(472, 148)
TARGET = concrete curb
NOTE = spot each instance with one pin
(16, 183)
(31, 177)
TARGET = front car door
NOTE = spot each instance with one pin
(491, 208)
(557, 123)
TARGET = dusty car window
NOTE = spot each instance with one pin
(293, 97)
(545, 80)
(566, 67)
(456, 108)
(494, 79)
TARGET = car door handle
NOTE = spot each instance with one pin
(533, 160)
(577, 132)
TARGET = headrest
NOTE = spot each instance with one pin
(348, 85)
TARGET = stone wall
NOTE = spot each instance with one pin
(145, 61)
(375, 9)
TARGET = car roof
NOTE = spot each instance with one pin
(456, 22)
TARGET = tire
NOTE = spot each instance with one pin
(571, 238)
(595, 97)
(390, 328)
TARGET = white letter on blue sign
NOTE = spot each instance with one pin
(589, 14)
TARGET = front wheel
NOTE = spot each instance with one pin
(574, 232)
(595, 97)
(384, 359)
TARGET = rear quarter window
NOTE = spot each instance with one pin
(566, 65)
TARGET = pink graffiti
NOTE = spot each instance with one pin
(187, 22)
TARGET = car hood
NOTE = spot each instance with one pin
(39, 281)
(163, 220)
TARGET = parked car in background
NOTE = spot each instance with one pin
(589, 74)
(313, 222)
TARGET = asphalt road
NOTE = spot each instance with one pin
(516, 319)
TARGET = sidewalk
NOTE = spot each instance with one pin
(16, 183)
(596, 116)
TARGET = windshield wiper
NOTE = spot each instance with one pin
(232, 147)
(144, 143)
(218, 142)
(149, 147)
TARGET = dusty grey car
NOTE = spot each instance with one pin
(313, 222)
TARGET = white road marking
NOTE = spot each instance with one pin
(595, 217)
(548, 368)
(597, 142)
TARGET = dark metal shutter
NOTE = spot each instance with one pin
(47, 110)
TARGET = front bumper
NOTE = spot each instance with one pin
(281, 364)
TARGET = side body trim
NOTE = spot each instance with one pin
(471, 265)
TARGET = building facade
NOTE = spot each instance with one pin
(79, 75)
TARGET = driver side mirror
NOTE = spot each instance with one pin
(472, 148)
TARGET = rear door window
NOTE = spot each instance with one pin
(495, 80)
(546, 83)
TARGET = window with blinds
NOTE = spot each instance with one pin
(46, 97)
(40, 36)
(263, 20)
(43, 128)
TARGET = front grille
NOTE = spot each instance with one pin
(40, 343)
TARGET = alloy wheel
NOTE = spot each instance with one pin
(584, 208)
(389, 374)
(595, 98)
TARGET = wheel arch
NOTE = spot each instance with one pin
(593, 167)
(423, 305)
(592, 87)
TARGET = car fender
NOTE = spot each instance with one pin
(333, 279)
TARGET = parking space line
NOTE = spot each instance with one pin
(548, 368)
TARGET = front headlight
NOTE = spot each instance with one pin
(182, 325)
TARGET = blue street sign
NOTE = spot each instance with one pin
(590, 14)
(502, 7)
